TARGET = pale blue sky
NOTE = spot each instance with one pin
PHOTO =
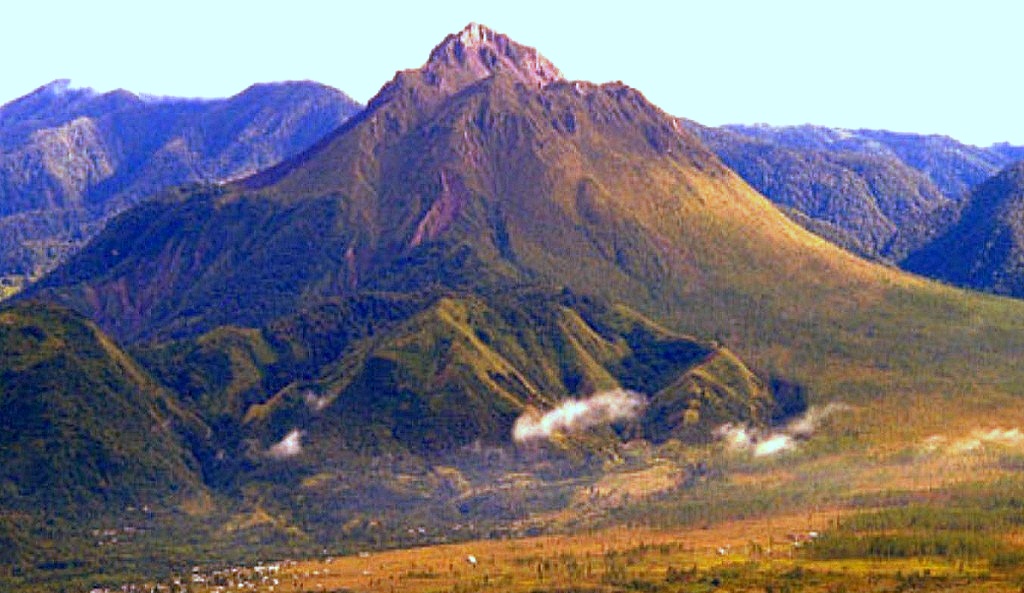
(929, 67)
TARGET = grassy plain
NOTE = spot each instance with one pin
(946, 514)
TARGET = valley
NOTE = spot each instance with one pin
(504, 331)
(912, 520)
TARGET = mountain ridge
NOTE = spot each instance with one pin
(72, 158)
(361, 325)
(881, 194)
(984, 250)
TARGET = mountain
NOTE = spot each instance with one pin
(482, 168)
(84, 427)
(398, 290)
(481, 171)
(402, 249)
(985, 248)
(878, 193)
(71, 158)
(363, 326)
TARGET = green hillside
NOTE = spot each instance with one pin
(431, 375)
(985, 249)
(85, 429)
(72, 158)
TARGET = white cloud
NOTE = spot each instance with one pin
(289, 446)
(575, 415)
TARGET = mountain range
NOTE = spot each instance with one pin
(72, 158)
(985, 248)
(396, 260)
(880, 194)
(481, 176)
(358, 329)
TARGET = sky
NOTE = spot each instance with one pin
(935, 67)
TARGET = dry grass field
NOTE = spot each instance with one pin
(748, 555)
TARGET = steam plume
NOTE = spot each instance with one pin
(289, 446)
(805, 426)
(978, 438)
(575, 415)
(315, 403)
(761, 443)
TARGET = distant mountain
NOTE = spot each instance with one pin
(71, 158)
(1014, 153)
(985, 248)
(871, 203)
(954, 167)
(881, 194)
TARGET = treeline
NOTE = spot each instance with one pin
(965, 523)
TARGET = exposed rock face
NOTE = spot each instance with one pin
(481, 52)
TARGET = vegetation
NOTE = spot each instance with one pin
(124, 149)
(873, 204)
(983, 249)
(331, 356)
(84, 427)
(878, 193)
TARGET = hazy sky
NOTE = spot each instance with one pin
(929, 67)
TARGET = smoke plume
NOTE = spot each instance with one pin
(575, 415)
(978, 438)
(289, 446)
(764, 443)
(315, 403)
(805, 426)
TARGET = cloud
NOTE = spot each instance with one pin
(775, 443)
(806, 425)
(764, 443)
(575, 415)
(978, 438)
(289, 446)
(742, 438)
(317, 404)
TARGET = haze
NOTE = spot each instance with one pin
(924, 67)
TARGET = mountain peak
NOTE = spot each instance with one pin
(481, 51)
(56, 87)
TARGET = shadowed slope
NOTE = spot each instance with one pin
(84, 427)
(985, 249)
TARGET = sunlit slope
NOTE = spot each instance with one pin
(476, 173)
(451, 372)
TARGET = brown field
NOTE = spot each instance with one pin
(547, 562)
